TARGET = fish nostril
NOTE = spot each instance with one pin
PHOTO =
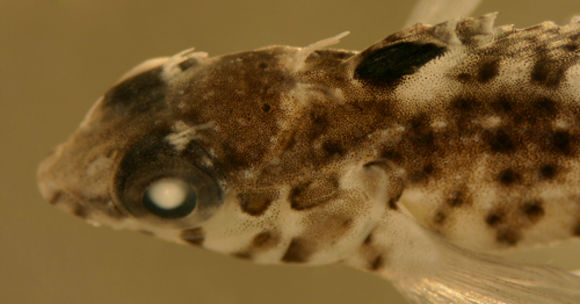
(68, 202)
(79, 210)
(48, 177)
(55, 197)
(50, 191)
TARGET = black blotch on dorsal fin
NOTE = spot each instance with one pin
(387, 65)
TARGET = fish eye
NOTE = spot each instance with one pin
(155, 182)
(170, 198)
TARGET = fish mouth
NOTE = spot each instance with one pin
(96, 210)
(64, 200)
(45, 177)
(52, 181)
(54, 193)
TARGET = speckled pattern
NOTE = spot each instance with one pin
(299, 154)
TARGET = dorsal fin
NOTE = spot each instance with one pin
(429, 11)
(404, 52)
(389, 64)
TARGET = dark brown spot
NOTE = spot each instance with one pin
(493, 219)
(79, 211)
(392, 155)
(235, 159)
(508, 236)
(439, 218)
(265, 239)
(456, 199)
(369, 239)
(262, 65)
(256, 203)
(298, 251)
(533, 210)
(420, 133)
(561, 142)
(387, 65)
(541, 70)
(266, 108)
(313, 193)
(501, 142)
(194, 236)
(333, 148)
(508, 177)
(548, 171)
(546, 106)
(55, 197)
(428, 169)
(571, 47)
(463, 104)
(346, 223)
(463, 77)
(392, 203)
(488, 70)
(547, 72)
(244, 255)
(327, 227)
(143, 92)
(377, 263)
(576, 229)
(502, 105)
(289, 143)
(318, 125)
(296, 193)
(421, 175)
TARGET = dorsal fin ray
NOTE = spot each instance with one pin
(427, 11)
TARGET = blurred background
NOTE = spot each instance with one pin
(58, 56)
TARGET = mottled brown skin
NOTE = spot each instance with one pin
(279, 140)
(407, 159)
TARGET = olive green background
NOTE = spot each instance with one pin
(57, 57)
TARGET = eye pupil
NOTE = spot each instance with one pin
(168, 193)
(170, 198)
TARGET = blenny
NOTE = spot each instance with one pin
(413, 159)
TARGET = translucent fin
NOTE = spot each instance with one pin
(301, 56)
(142, 67)
(427, 269)
(436, 11)
(465, 277)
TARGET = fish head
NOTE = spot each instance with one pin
(203, 151)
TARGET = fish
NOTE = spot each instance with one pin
(420, 159)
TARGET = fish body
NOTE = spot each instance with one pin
(409, 159)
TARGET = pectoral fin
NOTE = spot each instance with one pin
(427, 269)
